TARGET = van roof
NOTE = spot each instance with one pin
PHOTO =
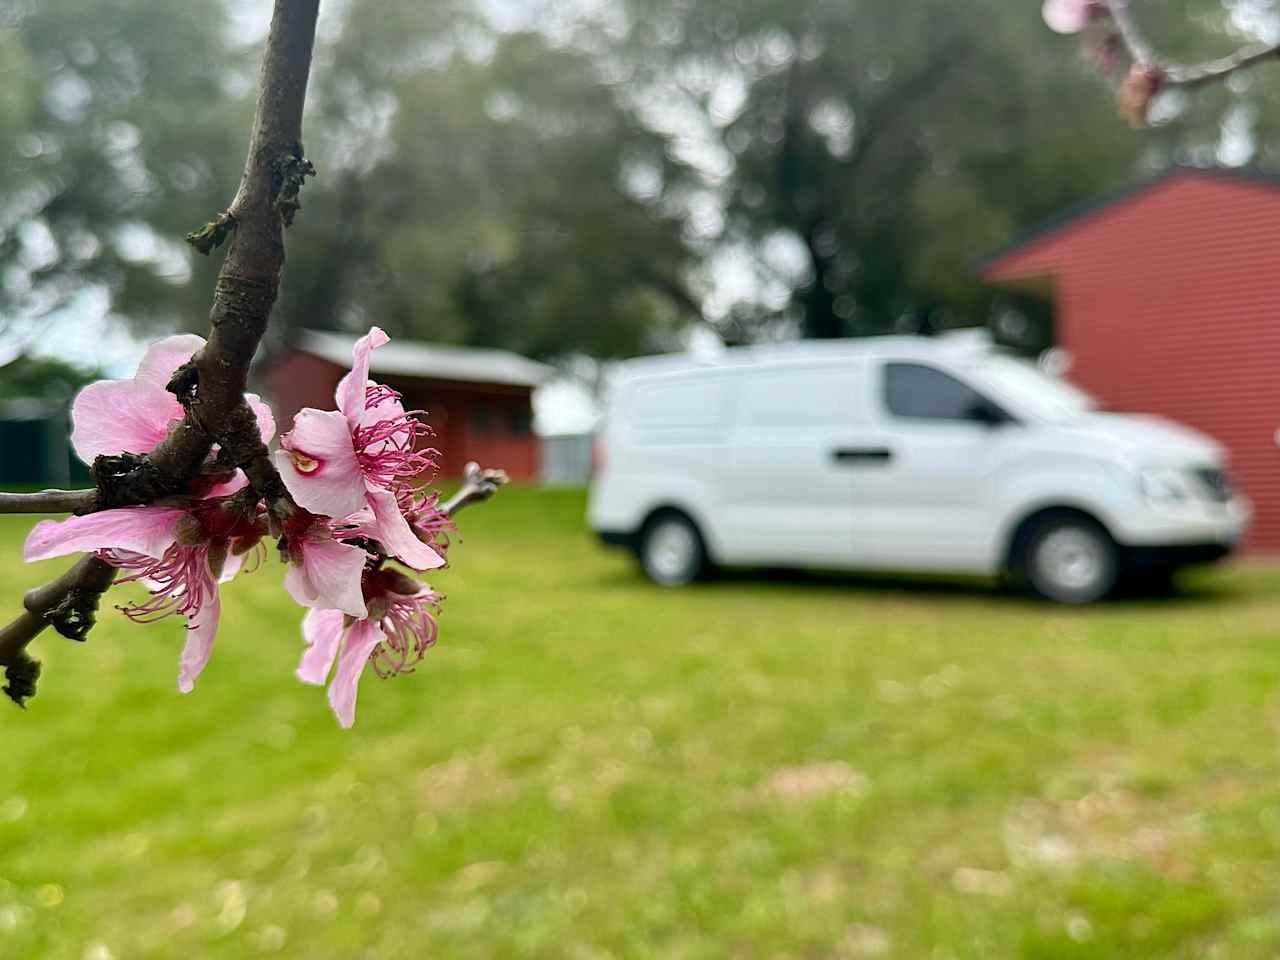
(955, 344)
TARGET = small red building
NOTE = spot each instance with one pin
(476, 400)
(1167, 299)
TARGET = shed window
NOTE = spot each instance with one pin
(482, 419)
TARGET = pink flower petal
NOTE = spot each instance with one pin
(238, 481)
(165, 356)
(115, 416)
(362, 523)
(329, 576)
(396, 535)
(146, 530)
(351, 389)
(1066, 16)
(322, 629)
(318, 464)
(202, 627)
(362, 638)
(231, 566)
(266, 419)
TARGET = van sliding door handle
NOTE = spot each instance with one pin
(861, 455)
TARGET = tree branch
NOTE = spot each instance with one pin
(1185, 75)
(478, 485)
(247, 283)
(213, 384)
(67, 603)
(49, 501)
(1138, 48)
(1213, 70)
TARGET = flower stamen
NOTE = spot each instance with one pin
(180, 582)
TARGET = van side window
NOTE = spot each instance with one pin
(918, 392)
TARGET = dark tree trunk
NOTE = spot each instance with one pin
(820, 318)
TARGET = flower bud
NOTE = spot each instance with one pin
(1136, 91)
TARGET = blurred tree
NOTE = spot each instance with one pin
(485, 187)
(553, 177)
(42, 378)
(121, 121)
(878, 147)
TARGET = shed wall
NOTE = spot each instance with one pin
(1168, 304)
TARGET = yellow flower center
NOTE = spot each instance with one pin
(303, 463)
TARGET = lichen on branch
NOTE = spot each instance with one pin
(212, 234)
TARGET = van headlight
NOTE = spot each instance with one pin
(1162, 485)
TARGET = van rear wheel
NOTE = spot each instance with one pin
(671, 550)
(1070, 559)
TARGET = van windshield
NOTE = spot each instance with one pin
(1028, 391)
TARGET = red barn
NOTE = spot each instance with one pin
(476, 400)
(1166, 297)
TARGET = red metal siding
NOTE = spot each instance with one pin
(1167, 302)
(472, 421)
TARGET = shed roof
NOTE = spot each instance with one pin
(434, 361)
(1078, 216)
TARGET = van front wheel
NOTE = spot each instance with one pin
(671, 550)
(1070, 559)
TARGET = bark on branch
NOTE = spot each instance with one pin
(49, 501)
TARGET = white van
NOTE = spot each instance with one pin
(901, 454)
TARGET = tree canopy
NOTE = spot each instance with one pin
(559, 182)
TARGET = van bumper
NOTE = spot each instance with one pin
(1196, 533)
(1195, 527)
(1136, 560)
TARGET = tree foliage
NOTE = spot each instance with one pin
(476, 190)
(569, 181)
(891, 142)
(122, 124)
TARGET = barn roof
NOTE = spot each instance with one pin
(1080, 214)
(431, 361)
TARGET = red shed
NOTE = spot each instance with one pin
(476, 400)
(1167, 298)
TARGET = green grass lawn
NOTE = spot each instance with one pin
(589, 766)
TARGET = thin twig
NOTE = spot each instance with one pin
(67, 603)
(49, 501)
(1139, 49)
(1185, 75)
(1213, 70)
(478, 485)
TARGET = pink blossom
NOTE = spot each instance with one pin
(429, 523)
(132, 416)
(323, 571)
(1071, 16)
(393, 637)
(337, 463)
(179, 553)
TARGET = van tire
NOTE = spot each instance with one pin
(671, 550)
(1068, 558)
